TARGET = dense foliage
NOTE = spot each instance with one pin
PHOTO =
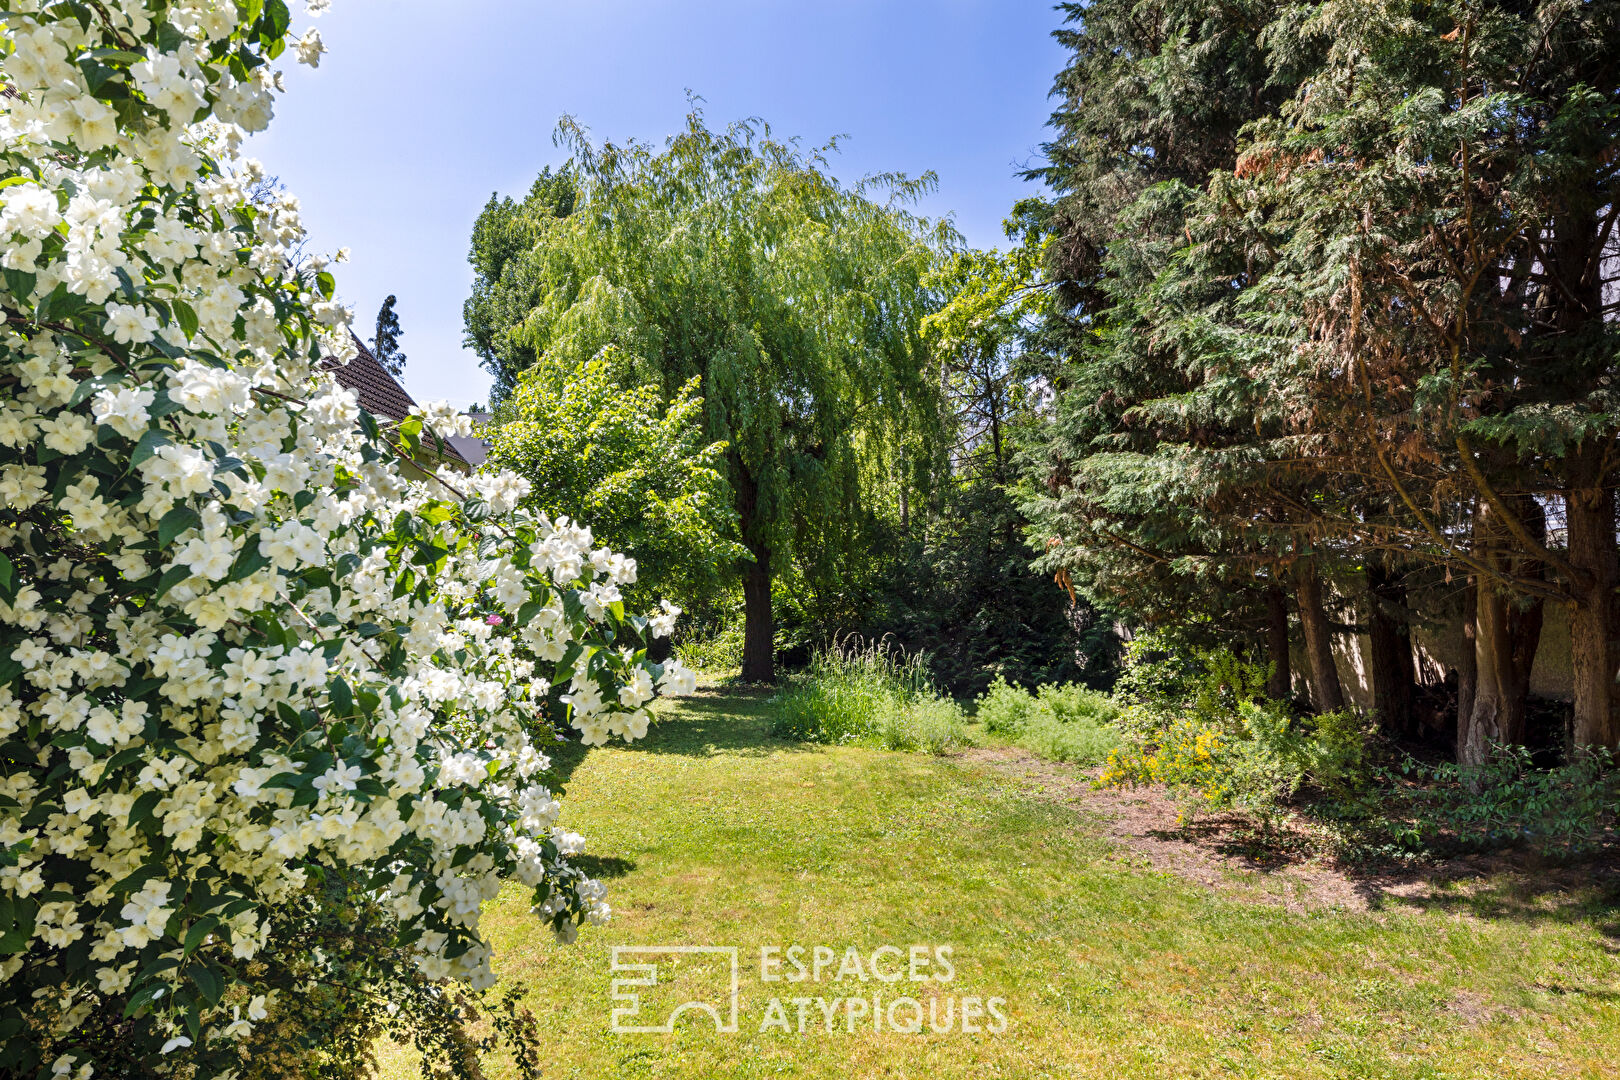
(636, 468)
(1332, 337)
(731, 257)
(1204, 727)
(1058, 722)
(240, 648)
(960, 585)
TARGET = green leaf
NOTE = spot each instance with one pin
(47, 306)
(173, 576)
(15, 941)
(342, 697)
(6, 570)
(122, 758)
(127, 285)
(20, 283)
(154, 438)
(276, 19)
(91, 387)
(175, 522)
(144, 810)
(287, 780)
(186, 317)
(198, 932)
(145, 996)
(162, 405)
(117, 56)
(370, 786)
(249, 561)
(95, 74)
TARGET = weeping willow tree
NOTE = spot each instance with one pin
(734, 258)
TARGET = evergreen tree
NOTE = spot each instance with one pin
(1434, 217)
(1149, 483)
(1373, 342)
(385, 346)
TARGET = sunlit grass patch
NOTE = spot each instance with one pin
(716, 832)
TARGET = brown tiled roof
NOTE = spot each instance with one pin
(379, 392)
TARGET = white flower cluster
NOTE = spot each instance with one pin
(237, 641)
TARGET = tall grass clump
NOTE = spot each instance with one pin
(1060, 723)
(854, 691)
(720, 652)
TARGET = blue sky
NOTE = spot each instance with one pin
(421, 110)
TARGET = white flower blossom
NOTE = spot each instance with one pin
(310, 48)
(247, 634)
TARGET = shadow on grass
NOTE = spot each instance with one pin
(1508, 885)
(736, 722)
(731, 720)
(1504, 888)
(603, 866)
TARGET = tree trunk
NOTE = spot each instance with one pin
(1577, 258)
(1280, 683)
(1507, 632)
(1497, 716)
(1394, 677)
(1326, 692)
(759, 628)
(1593, 655)
(1468, 657)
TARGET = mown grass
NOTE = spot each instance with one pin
(713, 832)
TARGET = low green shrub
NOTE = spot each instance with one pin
(927, 723)
(873, 693)
(1203, 727)
(1256, 758)
(1429, 809)
(1004, 708)
(1076, 743)
(1061, 723)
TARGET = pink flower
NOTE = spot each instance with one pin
(494, 620)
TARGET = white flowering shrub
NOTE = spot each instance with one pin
(239, 644)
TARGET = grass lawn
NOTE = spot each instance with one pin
(712, 833)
